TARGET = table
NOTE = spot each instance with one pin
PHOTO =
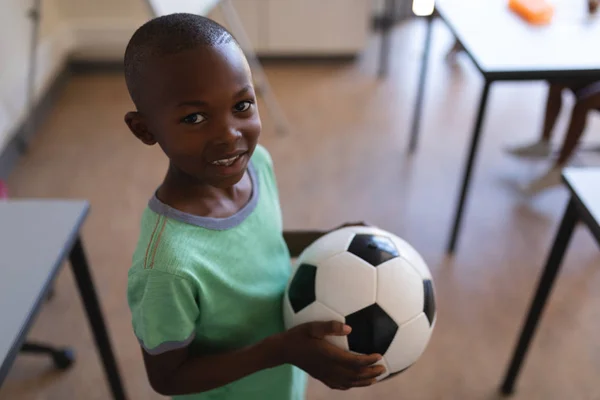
(505, 48)
(36, 236)
(584, 206)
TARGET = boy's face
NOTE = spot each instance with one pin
(201, 109)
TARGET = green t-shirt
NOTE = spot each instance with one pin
(216, 284)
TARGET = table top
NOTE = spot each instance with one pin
(35, 237)
(504, 46)
(164, 7)
(584, 183)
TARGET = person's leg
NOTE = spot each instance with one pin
(541, 148)
(576, 128)
(553, 106)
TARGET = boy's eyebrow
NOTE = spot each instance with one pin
(242, 91)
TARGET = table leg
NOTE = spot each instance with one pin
(414, 131)
(468, 167)
(88, 295)
(387, 24)
(545, 284)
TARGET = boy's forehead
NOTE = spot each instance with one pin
(203, 68)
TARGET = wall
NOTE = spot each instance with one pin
(102, 27)
(55, 40)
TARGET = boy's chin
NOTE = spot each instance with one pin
(224, 182)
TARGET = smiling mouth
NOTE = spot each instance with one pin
(226, 162)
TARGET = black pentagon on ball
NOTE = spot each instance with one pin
(302, 287)
(374, 249)
(372, 330)
(429, 301)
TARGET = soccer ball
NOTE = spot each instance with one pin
(374, 282)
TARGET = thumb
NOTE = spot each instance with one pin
(329, 328)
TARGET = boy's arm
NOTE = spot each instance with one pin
(177, 372)
(165, 311)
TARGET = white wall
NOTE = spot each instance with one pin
(100, 29)
(15, 33)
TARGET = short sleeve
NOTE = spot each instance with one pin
(261, 156)
(264, 164)
(164, 310)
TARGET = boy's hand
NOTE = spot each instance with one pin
(305, 347)
(349, 224)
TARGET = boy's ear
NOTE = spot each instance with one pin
(137, 125)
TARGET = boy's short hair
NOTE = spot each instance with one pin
(167, 35)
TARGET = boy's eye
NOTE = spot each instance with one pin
(195, 118)
(243, 106)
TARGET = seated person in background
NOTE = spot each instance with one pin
(587, 95)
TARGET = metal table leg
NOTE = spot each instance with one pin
(468, 167)
(387, 25)
(88, 295)
(545, 285)
(416, 122)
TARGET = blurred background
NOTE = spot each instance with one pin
(337, 109)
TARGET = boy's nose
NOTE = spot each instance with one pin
(229, 134)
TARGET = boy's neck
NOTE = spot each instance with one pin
(199, 198)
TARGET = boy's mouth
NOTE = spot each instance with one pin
(226, 162)
(229, 160)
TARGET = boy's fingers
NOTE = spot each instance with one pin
(361, 360)
(340, 387)
(356, 223)
(364, 383)
(371, 373)
(331, 328)
(353, 361)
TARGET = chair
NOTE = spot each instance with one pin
(62, 358)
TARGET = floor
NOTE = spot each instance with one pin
(345, 160)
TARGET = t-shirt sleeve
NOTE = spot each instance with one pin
(164, 310)
(264, 163)
(262, 157)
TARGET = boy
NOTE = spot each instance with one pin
(208, 274)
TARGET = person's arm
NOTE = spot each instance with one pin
(177, 372)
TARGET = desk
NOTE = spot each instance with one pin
(584, 206)
(36, 236)
(505, 48)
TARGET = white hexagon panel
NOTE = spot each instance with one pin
(315, 312)
(411, 255)
(346, 283)
(326, 246)
(399, 290)
(409, 343)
